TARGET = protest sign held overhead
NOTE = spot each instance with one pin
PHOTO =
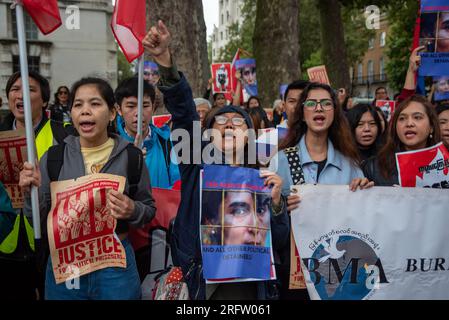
(353, 248)
(318, 74)
(247, 69)
(221, 72)
(387, 107)
(81, 228)
(235, 225)
(425, 168)
(435, 37)
(13, 153)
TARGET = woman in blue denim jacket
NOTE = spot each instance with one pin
(320, 140)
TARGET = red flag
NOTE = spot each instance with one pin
(45, 13)
(228, 96)
(129, 26)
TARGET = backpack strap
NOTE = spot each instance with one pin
(135, 164)
(166, 149)
(294, 163)
(55, 159)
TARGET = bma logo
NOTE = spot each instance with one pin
(345, 267)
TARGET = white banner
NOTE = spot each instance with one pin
(381, 243)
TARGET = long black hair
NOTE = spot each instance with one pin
(356, 113)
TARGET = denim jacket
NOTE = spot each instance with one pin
(338, 169)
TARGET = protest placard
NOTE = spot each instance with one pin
(434, 36)
(318, 74)
(425, 168)
(221, 73)
(383, 243)
(235, 225)
(81, 228)
(247, 69)
(387, 107)
(13, 152)
(160, 121)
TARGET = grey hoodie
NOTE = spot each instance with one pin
(73, 168)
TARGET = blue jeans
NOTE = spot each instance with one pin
(105, 284)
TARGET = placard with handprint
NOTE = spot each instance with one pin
(80, 227)
(13, 152)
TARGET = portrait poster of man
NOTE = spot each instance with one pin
(221, 73)
(434, 35)
(425, 168)
(247, 69)
(387, 107)
(235, 225)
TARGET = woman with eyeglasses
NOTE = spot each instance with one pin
(229, 131)
(59, 110)
(318, 149)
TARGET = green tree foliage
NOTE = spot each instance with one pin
(402, 15)
(124, 67)
(240, 36)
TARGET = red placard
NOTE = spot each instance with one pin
(387, 107)
(425, 168)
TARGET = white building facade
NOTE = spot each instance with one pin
(67, 54)
(229, 13)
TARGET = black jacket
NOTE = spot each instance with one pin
(371, 170)
(186, 246)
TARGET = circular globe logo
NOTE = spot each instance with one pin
(343, 268)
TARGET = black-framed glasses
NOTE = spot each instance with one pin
(221, 120)
(326, 104)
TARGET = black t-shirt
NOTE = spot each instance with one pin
(321, 165)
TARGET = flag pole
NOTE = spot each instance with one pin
(28, 116)
(140, 99)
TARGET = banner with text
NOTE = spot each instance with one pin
(353, 247)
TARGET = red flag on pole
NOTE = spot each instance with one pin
(129, 26)
(45, 13)
(228, 96)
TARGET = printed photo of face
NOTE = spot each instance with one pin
(249, 75)
(443, 32)
(246, 218)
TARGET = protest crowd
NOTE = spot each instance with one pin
(126, 216)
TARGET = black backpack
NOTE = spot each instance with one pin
(55, 159)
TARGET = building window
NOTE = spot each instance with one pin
(370, 71)
(371, 43)
(213, 52)
(221, 3)
(226, 34)
(222, 18)
(360, 73)
(383, 39)
(227, 16)
(33, 63)
(30, 27)
(381, 69)
(221, 35)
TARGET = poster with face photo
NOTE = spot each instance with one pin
(387, 107)
(441, 88)
(247, 69)
(434, 35)
(235, 225)
(150, 72)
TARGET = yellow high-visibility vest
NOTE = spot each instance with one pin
(44, 140)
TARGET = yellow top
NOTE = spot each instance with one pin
(95, 158)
